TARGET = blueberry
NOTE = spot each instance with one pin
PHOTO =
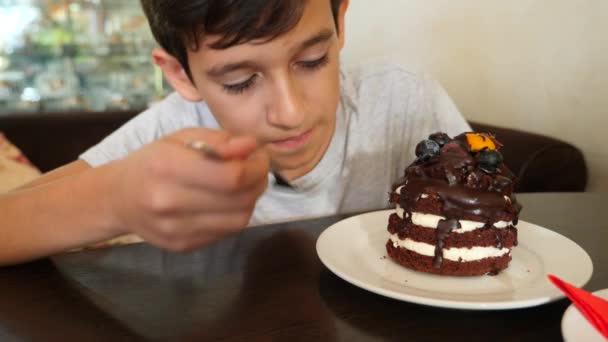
(440, 138)
(489, 160)
(426, 149)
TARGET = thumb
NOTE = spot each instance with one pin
(239, 147)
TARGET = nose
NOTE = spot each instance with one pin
(286, 109)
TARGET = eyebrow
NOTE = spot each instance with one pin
(219, 70)
(321, 37)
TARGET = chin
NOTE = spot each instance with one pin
(303, 162)
(287, 164)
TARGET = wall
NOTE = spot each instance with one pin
(536, 65)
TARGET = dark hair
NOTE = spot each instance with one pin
(178, 25)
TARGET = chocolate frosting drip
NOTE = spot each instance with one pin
(457, 200)
(464, 188)
(498, 241)
(443, 230)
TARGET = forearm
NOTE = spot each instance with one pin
(65, 213)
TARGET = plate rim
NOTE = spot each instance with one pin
(445, 303)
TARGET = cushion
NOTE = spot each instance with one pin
(15, 168)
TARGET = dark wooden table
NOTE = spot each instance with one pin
(266, 284)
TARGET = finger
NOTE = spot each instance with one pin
(174, 201)
(195, 231)
(221, 142)
(237, 147)
(210, 228)
(179, 164)
(258, 163)
(211, 136)
(229, 176)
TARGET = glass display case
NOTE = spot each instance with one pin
(76, 55)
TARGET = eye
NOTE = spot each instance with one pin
(315, 64)
(238, 88)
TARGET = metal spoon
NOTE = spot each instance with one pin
(208, 150)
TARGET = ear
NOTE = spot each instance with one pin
(341, 21)
(176, 75)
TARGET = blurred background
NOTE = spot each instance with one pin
(60, 55)
(535, 65)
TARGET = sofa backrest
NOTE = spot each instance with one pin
(50, 140)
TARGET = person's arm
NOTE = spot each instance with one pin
(63, 209)
(167, 193)
(67, 170)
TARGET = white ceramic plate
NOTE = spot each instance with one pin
(354, 249)
(576, 328)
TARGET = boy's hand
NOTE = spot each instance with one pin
(176, 198)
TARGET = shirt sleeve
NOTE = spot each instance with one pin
(163, 118)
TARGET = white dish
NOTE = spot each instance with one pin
(354, 249)
(576, 328)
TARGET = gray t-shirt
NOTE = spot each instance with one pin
(384, 111)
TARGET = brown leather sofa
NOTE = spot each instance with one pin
(543, 164)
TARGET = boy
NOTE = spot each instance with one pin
(258, 80)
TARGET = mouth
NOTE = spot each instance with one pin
(293, 142)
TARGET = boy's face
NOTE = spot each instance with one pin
(284, 92)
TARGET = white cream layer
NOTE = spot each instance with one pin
(431, 221)
(454, 254)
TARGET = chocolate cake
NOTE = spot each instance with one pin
(456, 213)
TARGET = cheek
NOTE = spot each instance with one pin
(323, 92)
(236, 114)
